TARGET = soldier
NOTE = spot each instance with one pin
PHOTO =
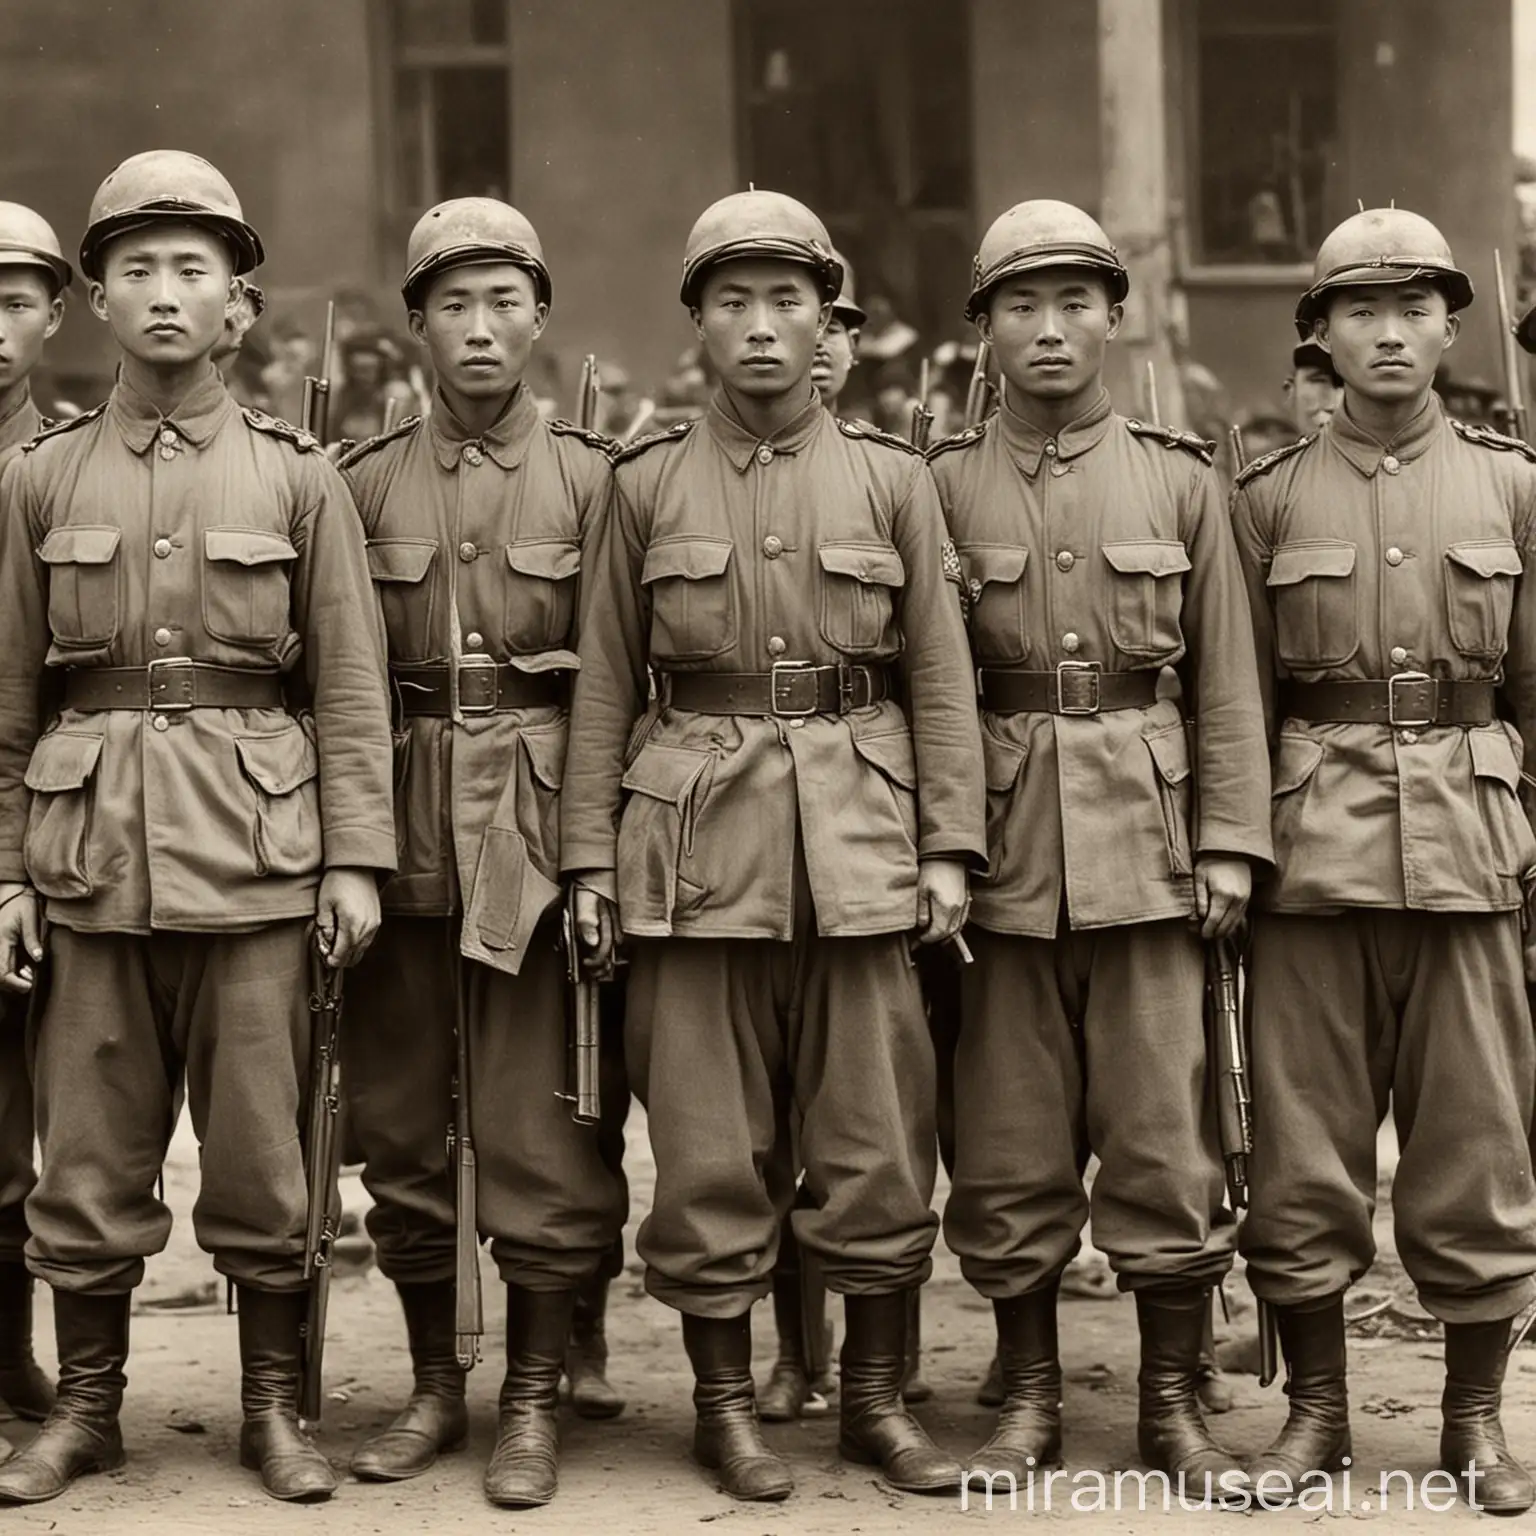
(1383, 558)
(33, 277)
(1096, 551)
(762, 833)
(838, 354)
(1312, 389)
(187, 581)
(476, 521)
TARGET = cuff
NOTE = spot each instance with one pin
(604, 882)
(361, 848)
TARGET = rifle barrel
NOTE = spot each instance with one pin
(1510, 348)
(1154, 409)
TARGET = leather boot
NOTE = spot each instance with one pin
(271, 1356)
(914, 1387)
(1170, 1433)
(876, 1428)
(435, 1419)
(80, 1434)
(789, 1385)
(7, 1450)
(23, 1387)
(1215, 1390)
(586, 1354)
(1315, 1436)
(524, 1469)
(726, 1438)
(1471, 1433)
(990, 1393)
(1028, 1434)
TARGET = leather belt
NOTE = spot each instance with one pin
(793, 688)
(486, 687)
(1408, 699)
(170, 684)
(1073, 688)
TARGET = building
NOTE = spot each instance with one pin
(1216, 138)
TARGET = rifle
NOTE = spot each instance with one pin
(1513, 392)
(1239, 453)
(1154, 409)
(922, 418)
(1224, 1041)
(323, 1167)
(976, 397)
(314, 410)
(582, 1025)
(468, 1316)
(588, 393)
(391, 415)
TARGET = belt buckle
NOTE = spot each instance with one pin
(787, 680)
(477, 664)
(1410, 679)
(1084, 700)
(187, 682)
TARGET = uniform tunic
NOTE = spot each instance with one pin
(475, 544)
(1386, 957)
(1105, 543)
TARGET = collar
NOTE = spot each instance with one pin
(741, 446)
(1368, 453)
(505, 442)
(199, 414)
(21, 422)
(1028, 444)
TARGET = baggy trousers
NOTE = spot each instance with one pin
(126, 1015)
(1431, 1009)
(550, 1205)
(17, 1172)
(1089, 1043)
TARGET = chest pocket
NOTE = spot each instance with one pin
(994, 577)
(1317, 618)
(399, 569)
(1146, 595)
(82, 584)
(693, 609)
(858, 583)
(1480, 595)
(540, 594)
(245, 585)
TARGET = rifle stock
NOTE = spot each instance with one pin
(976, 396)
(468, 1313)
(921, 428)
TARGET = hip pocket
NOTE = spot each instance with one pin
(282, 769)
(57, 844)
(666, 788)
(1170, 759)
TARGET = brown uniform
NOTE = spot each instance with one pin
(1387, 956)
(783, 848)
(475, 545)
(180, 848)
(1107, 544)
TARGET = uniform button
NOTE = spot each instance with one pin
(1390, 464)
(797, 724)
(167, 454)
(467, 552)
(765, 454)
(1069, 642)
(1394, 556)
(472, 454)
(1050, 450)
(1399, 655)
(1408, 737)
(775, 645)
(168, 437)
(162, 549)
(474, 640)
(160, 723)
(773, 546)
(162, 636)
(1065, 560)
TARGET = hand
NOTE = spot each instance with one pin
(21, 936)
(1222, 888)
(347, 915)
(598, 929)
(943, 900)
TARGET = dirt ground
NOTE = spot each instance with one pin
(633, 1475)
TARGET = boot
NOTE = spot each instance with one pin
(1315, 1436)
(435, 1419)
(1170, 1433)
(990, 1393)
(913, 1388)
(271, 1357)
(1475, 1357)
(1028, 1433)
(586, 1354)
(875, 1427)
(80, 1434)
(525, 1464)
(789, 1387)
(7, 1450)
(726, 1438)
(1215, 1390)
(26, 1391)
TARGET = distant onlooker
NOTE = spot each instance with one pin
(1312, 389)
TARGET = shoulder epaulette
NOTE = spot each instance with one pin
(962, 439)
(351, 453)
(1488, 438)
(862, 429)
(1171, 437)
(69, 423)
(593, 439)
(675, 433)
(275, 426)
(1266, 462)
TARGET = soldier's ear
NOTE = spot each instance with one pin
(1320, 333)
(1452, 330)
(416, 324)
(540, 319)
(983, 324)
(233, 297)
(97, 293)
(853, 346)
(824, 319)
(698, 321)
(1116, 319)
(55, 315)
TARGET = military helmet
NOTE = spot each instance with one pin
(759, 224)
(168, 184)
(1381, 245)
(27, 240)
(465, 230)
(1043, 233)
(845, 307)
(1525, 332)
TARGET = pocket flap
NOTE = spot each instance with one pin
(1296, 760)
(1487, 558)
(877, 564)
(891, 752)
(1170, 753)
(62, 760)
(400, 559)
(984, 563)
(279, 763)
(666, 773)
(1147, 557)
(1298, 562)
(1493, 757)
(553, 559)
(1002, 761)
(691, 558)
(247, 546)
(545, 750)
(79, 546)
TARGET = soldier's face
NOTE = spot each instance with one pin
(166, 291)
(833, 360)
(479, 324)
(760, 322)
(1049, 331)
(1314, 395)
(1387, 340)
(29, 315)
